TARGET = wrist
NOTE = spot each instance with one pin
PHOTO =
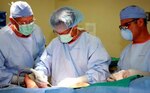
(82, 79)
(17, 80)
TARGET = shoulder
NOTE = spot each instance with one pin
(127, 47)
(125, 50)
(90, 38)
(91, 42)
(148, 43)
(5, 29)
(37, 29)
(5, 32)
(54, 42)
(38, 32)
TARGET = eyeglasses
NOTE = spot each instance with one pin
(126, 25)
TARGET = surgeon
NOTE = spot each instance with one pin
(21, 44)
(135, 58)
(74, 57)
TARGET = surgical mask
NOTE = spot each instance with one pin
(127, 34)
(25, 29)
(66, 38)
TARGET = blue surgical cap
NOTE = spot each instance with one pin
(65, 18)
(20, 9)
(132, 11)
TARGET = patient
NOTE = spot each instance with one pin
(29, 82)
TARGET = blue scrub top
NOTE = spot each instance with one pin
(18, 53)
(136, 56)
(85, 56)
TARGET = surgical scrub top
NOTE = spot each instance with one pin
(85, 56)
(18, 53)
(136, 56)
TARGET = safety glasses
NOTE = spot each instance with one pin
(126, 25)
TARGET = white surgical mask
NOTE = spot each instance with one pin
(66, 37)
(127, 34)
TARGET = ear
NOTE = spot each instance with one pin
(140, 22)
(75, 27)
(11, 20)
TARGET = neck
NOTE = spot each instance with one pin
(143, 37)
(78, 33)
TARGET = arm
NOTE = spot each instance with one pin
(126, 73)
(98, 63)
(45, 63)
(131, 72)
(42, 69)
(5, 75)
(41, 44)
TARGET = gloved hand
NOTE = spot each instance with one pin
(73, 82)
(31, 76)
(39, 77)
(126, 73)
(117, 76)
(67, 82)
(17, 80)
(131, 72)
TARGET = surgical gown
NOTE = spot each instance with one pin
(136, 56)
(85, 56)
(18, 53)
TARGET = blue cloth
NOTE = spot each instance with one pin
(103, 89)
(20, 9)
(132, 12)
(65, 18)
(136, 56)
(85, 56)
(12, 89)
(140, 85)
(18, 53)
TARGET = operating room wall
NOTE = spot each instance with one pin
(103, 13)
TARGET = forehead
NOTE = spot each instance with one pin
(125, 20)
(64, 32)
(60, 27)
